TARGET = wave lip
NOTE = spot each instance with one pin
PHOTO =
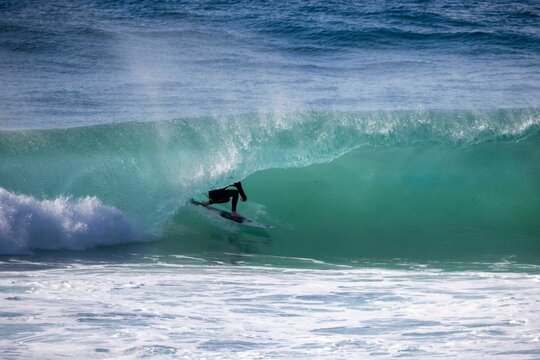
(63, 223)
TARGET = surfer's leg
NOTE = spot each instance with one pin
(234, 195)
(218, 196)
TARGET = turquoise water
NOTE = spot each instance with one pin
(439, 184)
(420, 202)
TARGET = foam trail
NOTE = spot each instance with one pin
(63, 223)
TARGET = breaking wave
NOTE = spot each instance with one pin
(63, 223)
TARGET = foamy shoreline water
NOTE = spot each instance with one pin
(222, 311)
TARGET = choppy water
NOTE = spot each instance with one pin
(394, 148)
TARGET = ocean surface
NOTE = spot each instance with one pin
(392, 147)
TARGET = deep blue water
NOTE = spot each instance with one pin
(70, 64)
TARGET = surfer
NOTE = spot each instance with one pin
(223, 195)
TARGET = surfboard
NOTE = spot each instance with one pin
(227, 215)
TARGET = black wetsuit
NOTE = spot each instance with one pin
(221, 196)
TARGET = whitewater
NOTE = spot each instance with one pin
(393, 148)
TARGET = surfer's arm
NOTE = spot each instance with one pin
(238, 186)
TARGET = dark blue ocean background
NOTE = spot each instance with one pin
(66, 64)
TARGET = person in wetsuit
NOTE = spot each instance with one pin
(223, 195)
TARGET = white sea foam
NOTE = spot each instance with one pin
(176, 310)
(27, 223)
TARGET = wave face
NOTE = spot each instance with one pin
(423, 202)
(334, 184)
